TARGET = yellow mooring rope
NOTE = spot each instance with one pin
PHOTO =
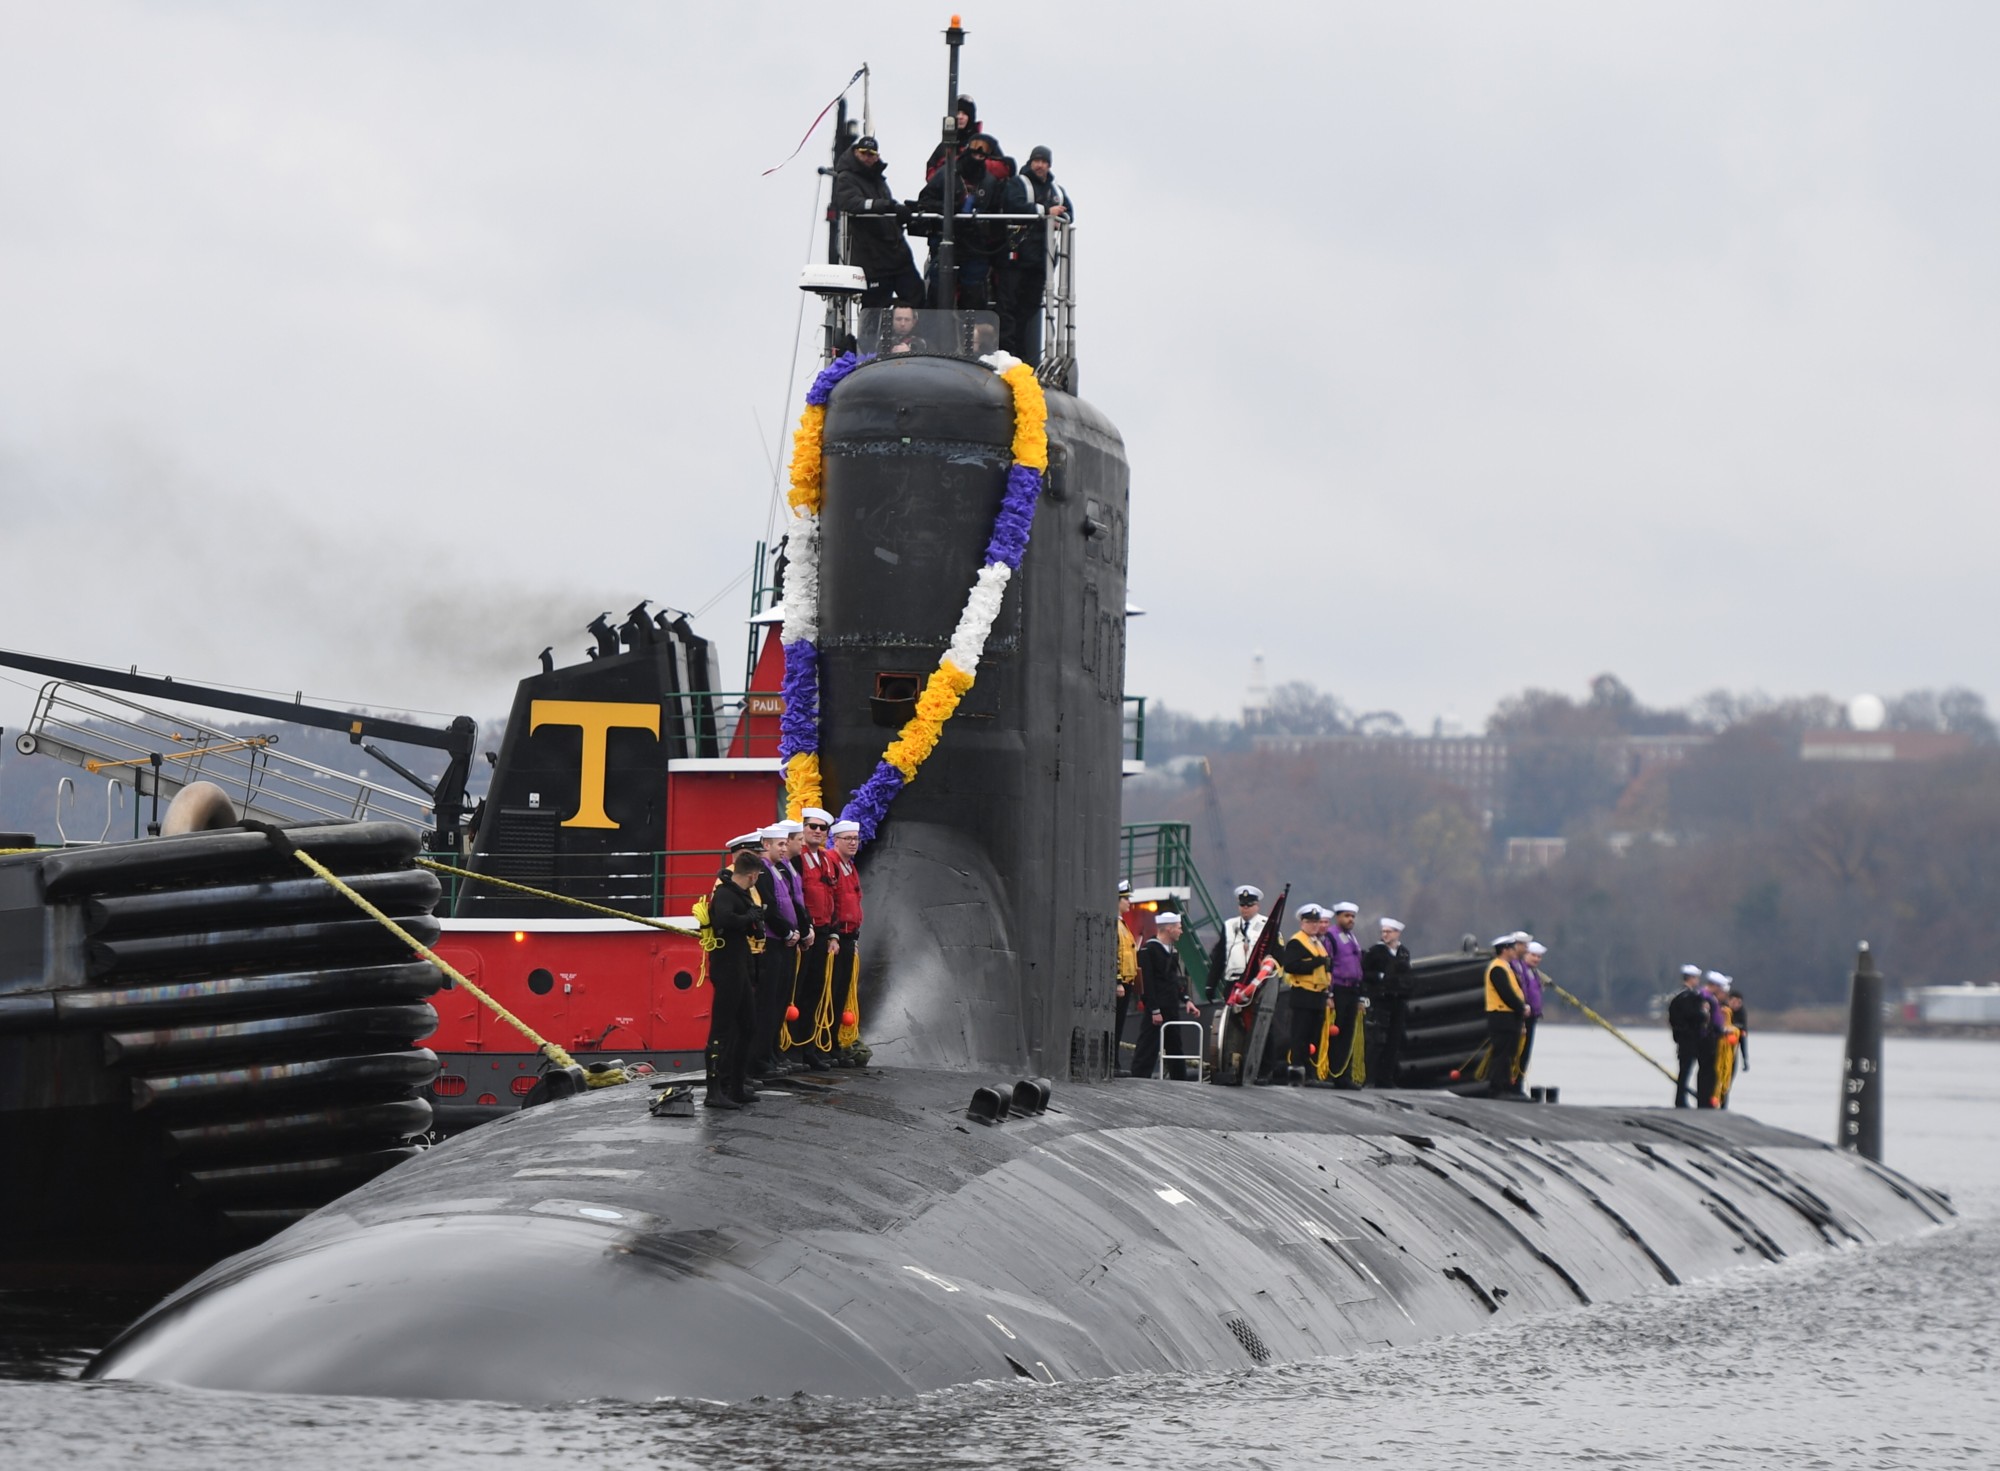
(487, 878)
(1578, 1004)
(553, 1052)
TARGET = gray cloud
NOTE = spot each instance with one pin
(1651, 338)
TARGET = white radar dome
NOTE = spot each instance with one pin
(1866, 712)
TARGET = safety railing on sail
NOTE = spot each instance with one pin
(157, 753)
(1160, 855)
(1052, 351)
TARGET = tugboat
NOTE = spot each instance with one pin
(988, 1201)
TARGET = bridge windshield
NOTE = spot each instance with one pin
(897, 331)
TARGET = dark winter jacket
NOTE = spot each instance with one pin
(987, 197)
(1163, 981)
(874, 233)
(1385, 970)
(737, 918)
(1688, 1017)
(1028, 195)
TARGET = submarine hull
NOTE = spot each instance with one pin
(864, 1238)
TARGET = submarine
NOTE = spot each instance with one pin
(986, 1199)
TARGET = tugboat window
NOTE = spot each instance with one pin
(541, 982)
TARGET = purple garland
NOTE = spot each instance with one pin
(1009, 542)
(798, 727)
(831, 375)
(870, 802)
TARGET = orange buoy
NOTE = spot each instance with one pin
(848, 1018)
(791, 1013)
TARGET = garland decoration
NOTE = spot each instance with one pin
(798, 745)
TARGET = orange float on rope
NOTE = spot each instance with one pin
(848, 1018)
(791, 1013)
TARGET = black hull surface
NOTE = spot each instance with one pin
(864, 1238)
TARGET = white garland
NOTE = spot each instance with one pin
(801, 603)
(975, 623)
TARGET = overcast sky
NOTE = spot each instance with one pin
(367, 348)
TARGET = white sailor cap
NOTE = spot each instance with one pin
(1500, 942)
(1691, 970)
(1717, 979)
(1166, 916)
(791, 827)
(1536, 947)
(1343, 907)
(1521, 937)
(775, 830)
(1311, 911)
(745, 840)
(817, 814)
(1124, 886)
(1246, 893)
(1392, 924)
(1725, 983)
(845, 825)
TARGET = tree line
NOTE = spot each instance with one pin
(1738, 855)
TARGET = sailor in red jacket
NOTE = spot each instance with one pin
(810, 1033)
(846, 836)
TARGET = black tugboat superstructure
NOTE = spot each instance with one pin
(866, 1232)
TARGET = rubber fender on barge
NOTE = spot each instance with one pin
(200, 1043)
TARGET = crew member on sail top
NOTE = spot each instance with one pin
(736, 918)
(788, 927)
(968, 126)
(1164, 996)
(973, 193)
(1532, 982)
(1385, 981)
(1687, 1019)
(810, 1042)
(1239, 933)
(1128, 973)
(846, 836)
(1301, 1015)
(875, 227)
(1343, 949)
(1023, 268)
(1506, 1015)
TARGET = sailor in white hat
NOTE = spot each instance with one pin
(1385, 981)
(788, 931)
(1506, 1015)
(1532, 983)
(1239, 933)
(1690, 1019)
(1164, 995)
(1343, 963)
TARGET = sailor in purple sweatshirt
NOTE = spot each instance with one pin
(1343, 951)
(1531, 992)
(784, 903)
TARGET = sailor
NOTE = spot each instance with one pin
(1707, 1078)
(811, 1038)
(1343, 949)
(1024, 268)
(846, 838)
(1506, 1014)
(1301, 1016)
(968, 126)
(1532, 982)
(1721, 992)
(737, 919)
(974, 192)
(1385, 981)
(1239, 933)
(874, 226)
(1687, 1019)
(1128, 972)
(1739, 1018)
(786, 925)
(1164, 996)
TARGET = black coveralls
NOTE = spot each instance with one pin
(736, 917)
(1385, 980)
(1688, 1020)
(1163, 987)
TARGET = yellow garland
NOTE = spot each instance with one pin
(1031, 417)
(801, 783)
(919, 735)
(808, 452)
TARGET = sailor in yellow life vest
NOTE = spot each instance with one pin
(1506, 1015)
(1128, 974)
(1295, 1029)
